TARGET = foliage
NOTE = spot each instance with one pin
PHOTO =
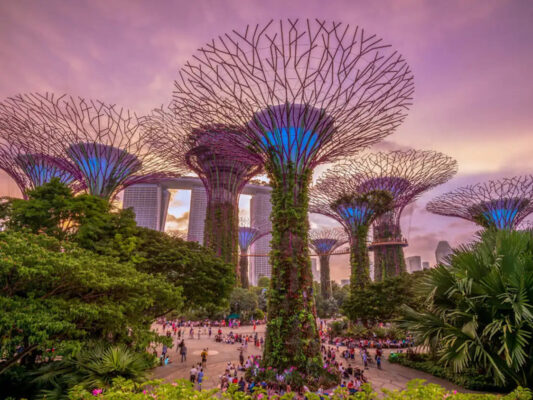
(206, 280)
(91, 222)
(381, 301)
(93, 367)
(263, 282)
(326, 308)
(338, 327)
(292, 335)
(243, 302)
(221, 231)
(469, 378)
(262, 296)
(340, 293)
(359, 331)
(481, 309)
(56, 295)
(183, 390)
(53, 209)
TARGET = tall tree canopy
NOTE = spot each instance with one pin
(57, 295)
(206, 280)
(95, 225)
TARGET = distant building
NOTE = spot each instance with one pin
(150, 203)
(413, 264)
(425, 265)
(197, 212)
(315, 270)
(443, 251)
(260, 210)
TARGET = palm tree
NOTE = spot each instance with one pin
(480, 308)
(92, 368)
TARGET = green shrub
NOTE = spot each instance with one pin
(337, 327)
(394, 332)
(258, 314)
(381, 333)
(183, 390)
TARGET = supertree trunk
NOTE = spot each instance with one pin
(359, 260)
(389, 260)
(292, 336)
(243, 267)
(221, 230)
(325, 280)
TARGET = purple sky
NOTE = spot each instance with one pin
(472, 63)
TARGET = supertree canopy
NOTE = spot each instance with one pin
(498, 204)
(105, 145)
(375, 189)
(29, 161)
(324, 242)
(205, 151)
(339, 194)
(248, 235)
(308, 92)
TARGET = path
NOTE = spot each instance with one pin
(391, 376)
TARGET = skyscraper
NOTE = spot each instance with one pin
(197, 214)
(442, 251)
(260, 209)
(413, 263)
(150, 203)
(314, 270)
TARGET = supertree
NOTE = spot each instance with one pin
(248, 234)
(496, 204)
(324, 242)
(106, 144)
(340, 197)
(30, 162)
(308, 92)
(223, 174)
(375, 189)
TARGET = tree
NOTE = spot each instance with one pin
(206, 280)
(480, 312)
(381, 301)
(90, 220)
(243, 302)
(57, 295)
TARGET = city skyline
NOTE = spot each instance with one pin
(124, 57)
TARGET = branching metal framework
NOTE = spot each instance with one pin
(404, 175)
(28, 161)
(308, 92)
(499, 204)
(224, 174)
(324, 242)
(248, 235)
(105, 144)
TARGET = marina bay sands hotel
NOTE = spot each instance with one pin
(150, 202)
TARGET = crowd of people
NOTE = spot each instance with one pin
(350, 357)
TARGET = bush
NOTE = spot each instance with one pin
(469, 378)
(357, 331)
(337, 327)
(182, 390)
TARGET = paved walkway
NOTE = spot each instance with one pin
(391, 376)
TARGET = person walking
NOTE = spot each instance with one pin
(192, 374)
(200, 378)
(183, 352)
(204, 357)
